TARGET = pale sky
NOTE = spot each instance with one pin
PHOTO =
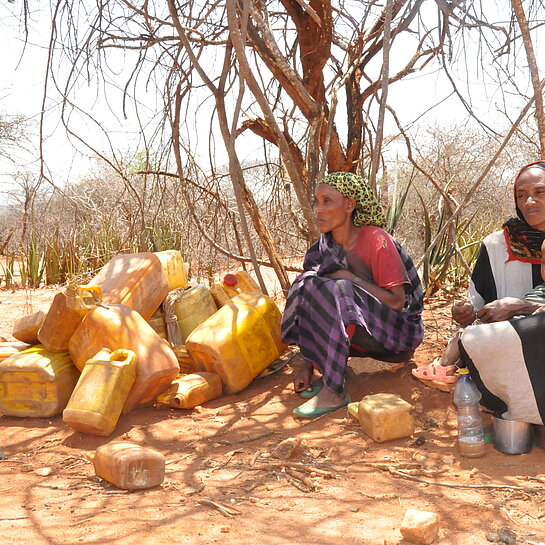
(21, 91)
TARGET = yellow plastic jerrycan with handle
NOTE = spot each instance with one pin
(232, 285)
(239, 341)
(66, 312)
(191, 307)
(119, 325)
(134, 280)
(173, 268)
(101, 392)
(36, 382)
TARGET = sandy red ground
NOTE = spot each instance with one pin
(222, 452)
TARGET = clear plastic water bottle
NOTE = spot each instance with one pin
(470, 422)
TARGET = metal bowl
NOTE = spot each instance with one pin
(512, 437)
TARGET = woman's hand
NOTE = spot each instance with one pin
(463, 313)
(541, 308)
(505, 309)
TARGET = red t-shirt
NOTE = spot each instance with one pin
(376, 259)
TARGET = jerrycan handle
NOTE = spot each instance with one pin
(123, 356)
(94, 291)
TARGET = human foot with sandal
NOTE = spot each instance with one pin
(441, 372)
(320, 400)
(436, 372)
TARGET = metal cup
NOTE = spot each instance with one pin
(512, 437)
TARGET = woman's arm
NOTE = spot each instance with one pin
(506, 308)
(394, 297)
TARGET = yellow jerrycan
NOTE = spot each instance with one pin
(173, 268)
(10, 348)
(101, 392)
(133, 280)
(191, 307)
(119, 325)
(65, 314)
(157, 322)
(36, 382)
(26, 329)
(129, 466)
(239, 341)
(188, 391)
(231, 285)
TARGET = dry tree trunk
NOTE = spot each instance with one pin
(384, 74)
(534, 72)
(244, 196)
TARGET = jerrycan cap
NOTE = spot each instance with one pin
(71, 290)
(462, 371)
(230, 280)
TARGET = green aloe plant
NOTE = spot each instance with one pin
(32, 264)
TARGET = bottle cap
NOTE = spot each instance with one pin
(230, 280)
(462, 371)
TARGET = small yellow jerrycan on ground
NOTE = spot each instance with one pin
(232, 285)
(129, 466)
(102, 389)
(67, 310)
(239, 341)
(188, 391)
(36, 382)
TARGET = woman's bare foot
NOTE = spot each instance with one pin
(303, 377)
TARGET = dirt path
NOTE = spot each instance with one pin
(222, 451)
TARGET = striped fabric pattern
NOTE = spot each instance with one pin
(507, 363)
(318, 309)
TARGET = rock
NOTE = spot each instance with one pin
(419, 441)
(507, 536)
(420, 526)
(285, 448)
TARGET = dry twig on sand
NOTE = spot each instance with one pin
(247, 440)
(460, 485)
(225, 510)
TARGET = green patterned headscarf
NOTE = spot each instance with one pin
(368, 210)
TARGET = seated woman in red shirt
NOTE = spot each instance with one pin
(359, 288)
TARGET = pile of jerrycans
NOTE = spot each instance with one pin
(105, 348)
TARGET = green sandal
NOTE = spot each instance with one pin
(315, 390)
(305, 411)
